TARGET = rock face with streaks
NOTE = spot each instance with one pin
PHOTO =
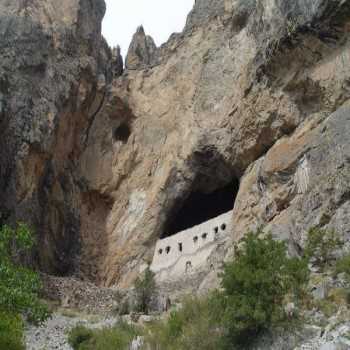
(52, 55)
(117, 62)
(142, 52)
(254, 93)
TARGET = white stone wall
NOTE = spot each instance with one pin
(189, 250)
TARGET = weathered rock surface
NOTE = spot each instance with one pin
(142, 51)
(250, 91)
(117, 62)
(49, 68)
(303, 181)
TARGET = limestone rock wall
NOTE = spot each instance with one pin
(241, 79)
(51, 57)
(255, 91)
(142, 52)
(303, 181)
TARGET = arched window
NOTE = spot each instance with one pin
(216, 230)
(223, 227)
(167, 249)
(204, 235)
(160, 251)
(180, 247)
(195, 239)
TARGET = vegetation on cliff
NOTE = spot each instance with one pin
(19, 287)
(263, 289)
(255, 288)
(145, 291)
(321, 245)
(114, 338)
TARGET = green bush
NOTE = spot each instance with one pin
(320, 246)
(113, 338)
(123, 308)
(195, 326)
(79, 335)
(256, 284)
(19, 286)
(145, 291)
(122, 305)
(255, 288)
(343, 266)
(11, 332)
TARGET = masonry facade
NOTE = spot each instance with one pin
(190, 250)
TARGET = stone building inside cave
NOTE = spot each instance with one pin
(192, 235)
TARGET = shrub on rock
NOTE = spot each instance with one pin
(11, 332)
(19, 285)
(145, 291)
(256, 284)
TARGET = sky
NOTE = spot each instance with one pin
(160, 18)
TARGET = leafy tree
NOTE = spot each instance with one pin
(145, 290)
(255, 285)
(19, 286)
(320, 246)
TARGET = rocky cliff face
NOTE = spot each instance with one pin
(50, 63)
(255, 92)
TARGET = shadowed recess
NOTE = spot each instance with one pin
(122, 133)
(200, 207)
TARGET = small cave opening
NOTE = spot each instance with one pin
(122, 133)
(200, 207)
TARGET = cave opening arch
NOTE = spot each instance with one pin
(199, 206)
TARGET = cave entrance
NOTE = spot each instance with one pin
(200, 207)
(122, 133)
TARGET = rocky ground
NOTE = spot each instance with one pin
(325, 325)
(319, 333)
(53, 334)
(74, 302)
(334, 334)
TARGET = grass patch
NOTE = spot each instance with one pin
(327, 307)
(113, 338)
(339, 296)
(11, 332)
(70, 313)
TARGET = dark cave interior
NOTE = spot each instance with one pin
(200, 207)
